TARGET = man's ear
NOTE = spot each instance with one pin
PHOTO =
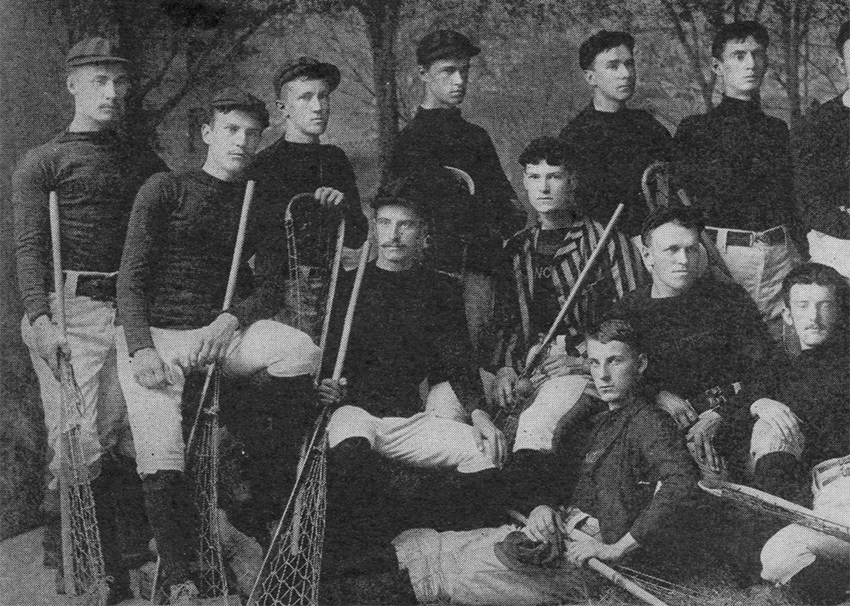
(643, 362)
(206, 133)
(786, 315)
(646, 255)
(842, 67)
(423, 72)
(715, 66)
(71, 83)
(590, 77)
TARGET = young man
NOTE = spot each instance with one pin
(735, 163)
(95, 174)
(171, 287)
(439, 136)
(700, 334)
(824, 192)
(805, 426)
(299, 163)
(614, 143)
(408, 328)
(547, 261)
(636, 485)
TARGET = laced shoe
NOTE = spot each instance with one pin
(184, 594)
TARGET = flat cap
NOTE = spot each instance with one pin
(234, 97)
(309, 67)
(444, 44)
(94, 50)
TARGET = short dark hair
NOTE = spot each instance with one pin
(739, 30)
(822, 275)
(404, 191)
(261, 115)
(686, 216)
(600, 42)
(842, 37)
(615, 329)
(551, 150)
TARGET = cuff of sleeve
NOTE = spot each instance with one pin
(138, 339)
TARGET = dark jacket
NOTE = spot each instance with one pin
(630, 451)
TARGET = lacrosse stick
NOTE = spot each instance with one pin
(206, 434)
(292, 566)
(603, 569)
(764, 502)
(82, 557)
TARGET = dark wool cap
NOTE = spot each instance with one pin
(444, 44)
(309, 67)
(234, 97)
(94, 50)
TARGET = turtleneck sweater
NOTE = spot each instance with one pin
(735, 163)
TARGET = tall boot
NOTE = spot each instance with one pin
(168, 499)
(105, 489)
(270, 416)
(823, 582)
(132, 524)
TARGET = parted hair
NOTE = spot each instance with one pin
(600, 42)
(551, 150)
(842, 37)
(822, 275)
(739, 30)
(615, 330)
(686, 216)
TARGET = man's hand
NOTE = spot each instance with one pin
(149, 370)
(682, 412)
(214, 341)
(778, 416)
(332, 393)
(328, 196)
(505, 381)
(544, 523)
(489, 438)
(585, 547)
(559, 364)
(49, 342)
(702, 435)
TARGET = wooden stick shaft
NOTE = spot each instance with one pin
(337, 264)
(710, 248)
(576, 289)
(349, 315)
(62, 480)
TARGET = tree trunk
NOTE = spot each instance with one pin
(382, 19)
(791, 31)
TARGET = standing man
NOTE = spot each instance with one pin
(824, 192)
(173, 276)
(294, 164)
(439, 136)
(614, 143)
(735, 163)
(95, 174)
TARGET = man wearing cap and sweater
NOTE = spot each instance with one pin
(735, 163)
(299, 163)
(171, 285)
(96, 175)
(615, 144)
(439, 136)
(824, 193)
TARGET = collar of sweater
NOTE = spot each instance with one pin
(439, 114)
(101, 137)
(737, 107)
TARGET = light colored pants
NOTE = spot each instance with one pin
(538, 423)
(794, 547)
(438, 438)
(103, 419)
(834, 252)
(462, 568)
(156, 414)
(760, 269)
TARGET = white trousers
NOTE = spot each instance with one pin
(156, 414)
(834, 252)
(537, 424)
(794, 547)
(103, 419)
(438, 438)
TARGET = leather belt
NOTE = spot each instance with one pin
(99, 288)
(831, 470)
(739, 237)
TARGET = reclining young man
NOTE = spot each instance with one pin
(171, 286)
(636, 484)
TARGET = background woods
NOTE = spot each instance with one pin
(525, 83)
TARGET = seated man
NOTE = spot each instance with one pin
(809, 431)
(547, 261)
(636, 484)
(171, 286)
(409, 326)
(702, 335)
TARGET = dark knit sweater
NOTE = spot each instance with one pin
(442, 137)
(613, 150)
(96, 175)
(735, 163)
(710, 336)
(823, 169)
(178, 253)
(408, 326)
